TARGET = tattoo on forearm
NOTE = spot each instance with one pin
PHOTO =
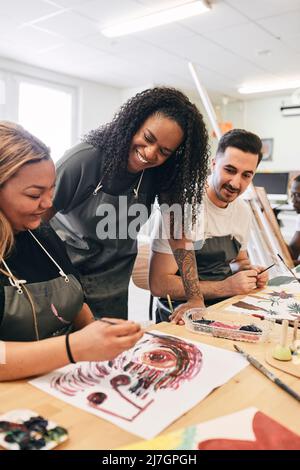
(187, 265)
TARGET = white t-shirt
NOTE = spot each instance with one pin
(213, 221)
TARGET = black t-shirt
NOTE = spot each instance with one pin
(80, 170)
(28, 261)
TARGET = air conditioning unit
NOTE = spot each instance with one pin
(290, 110)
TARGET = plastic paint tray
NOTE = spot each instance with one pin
(195, 322)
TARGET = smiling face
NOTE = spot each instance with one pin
(156, 140)
(26, 196)
(232, 173)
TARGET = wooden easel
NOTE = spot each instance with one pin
(269, 214)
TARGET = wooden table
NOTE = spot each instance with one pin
(248, 388)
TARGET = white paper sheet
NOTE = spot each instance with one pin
(277, 302)
(147, 388)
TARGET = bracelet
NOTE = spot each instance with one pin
(69, 353)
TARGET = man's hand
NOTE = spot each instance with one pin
(178, 313)
(262, 279)
(242, 282)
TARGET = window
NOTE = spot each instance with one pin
(47, 113)
(2, 98)
(47, 110)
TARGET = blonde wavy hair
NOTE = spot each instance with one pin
(17, 148)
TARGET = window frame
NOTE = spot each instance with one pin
(12, 82)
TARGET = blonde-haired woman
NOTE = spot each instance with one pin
(41, 299)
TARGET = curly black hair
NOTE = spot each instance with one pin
(181, 179)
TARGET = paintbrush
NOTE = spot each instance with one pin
(254, 362)
(170, 303)
(269, 267)
(113, 323)
(293, 346)
(293, 274)
(295, 332)
(262, 317)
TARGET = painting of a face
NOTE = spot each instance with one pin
(157, 362)
(131, 381)
(160, 362)
(145, 382)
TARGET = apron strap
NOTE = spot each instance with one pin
(17, 283)
(135, 190)
(13, 281)
(61, 272)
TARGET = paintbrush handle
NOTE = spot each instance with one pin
(268, 373)
(295, 331)
(269, 267)
(113, 323)
(170, 303)
(287, 389)
(284, 333)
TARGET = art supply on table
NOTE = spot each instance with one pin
(170, 303)
(254, 362)
(234, 331)
(269, 267)
(292, 273)
(282, 352)
(256, 315)
(289, 367)
(25, 430)
(278, 304)
(295, 344)
(109, 322)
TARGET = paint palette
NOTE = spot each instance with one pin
(25, 430)
(194, 321)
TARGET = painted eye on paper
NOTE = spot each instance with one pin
(159, 358)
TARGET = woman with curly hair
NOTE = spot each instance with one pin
(156, 146)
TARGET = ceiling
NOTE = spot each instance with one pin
(237, 42)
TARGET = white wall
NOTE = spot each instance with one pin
(263, 116)
(196, 100)
(127, 93)
(96, 102)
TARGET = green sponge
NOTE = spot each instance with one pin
(282, 353)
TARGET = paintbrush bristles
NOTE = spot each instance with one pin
(292, 273)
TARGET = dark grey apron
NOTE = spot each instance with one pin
(214, 258)
(105, 266)
(213, 264)
(57, 302)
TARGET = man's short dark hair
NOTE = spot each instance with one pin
(243, 140)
